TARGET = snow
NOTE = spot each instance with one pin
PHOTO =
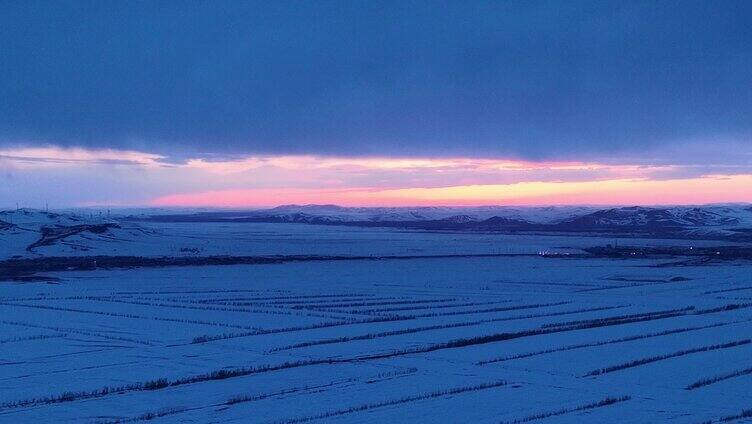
(380, 214)
(125, 236)
(713, 215)
(368, 336)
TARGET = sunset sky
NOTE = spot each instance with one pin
(230, 104)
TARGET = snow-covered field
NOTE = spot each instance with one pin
(490, 340)
(239, 238)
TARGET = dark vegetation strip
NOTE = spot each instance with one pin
(161, 383)
(253, 398)
(747, 413)
(132, 294)
(355, 304)
(724, 308)
(498, 337)
(602, 343)
(203, 307)
(290, 298)
(393, 402)
(481, 311)
(150, 415)
(287, 298)
(415, 308)
(206, 306)
(379, 377)
(200, 308)
(272, 304)
(728, 290)
(399, 332)
(540, 283)
(35, 337)
(193, 299)
(644, 361)
(289, 303)
(157, 384)
(718, 378)
(620, 317)
(234, 400)
(628, 286)
(601, 403)
(224, 373)
(133, 316)
(196, 291)
(85, 263)
(348, 314)
(690, 310)
(75, 331)
(210, 338)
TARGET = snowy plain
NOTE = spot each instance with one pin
(499, 339)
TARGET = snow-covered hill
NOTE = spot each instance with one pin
(557, 218)
(339, 214)
(708, 216)
(28, 233)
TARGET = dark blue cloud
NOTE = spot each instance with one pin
(526, 79)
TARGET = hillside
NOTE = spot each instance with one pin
(733, 222)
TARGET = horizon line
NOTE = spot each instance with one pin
(293, 205)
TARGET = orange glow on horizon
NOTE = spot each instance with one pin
(270, 180)
(710, 189)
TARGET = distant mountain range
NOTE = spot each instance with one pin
(732, 222)
(30, 233)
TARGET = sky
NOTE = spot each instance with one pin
(251, 104)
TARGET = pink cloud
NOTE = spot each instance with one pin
(136, 178)
(711, 189)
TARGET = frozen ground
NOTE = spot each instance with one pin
(489, 340)
(124, 237)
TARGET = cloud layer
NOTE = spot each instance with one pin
(69, 177)
(361, 102)
(542, 80)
